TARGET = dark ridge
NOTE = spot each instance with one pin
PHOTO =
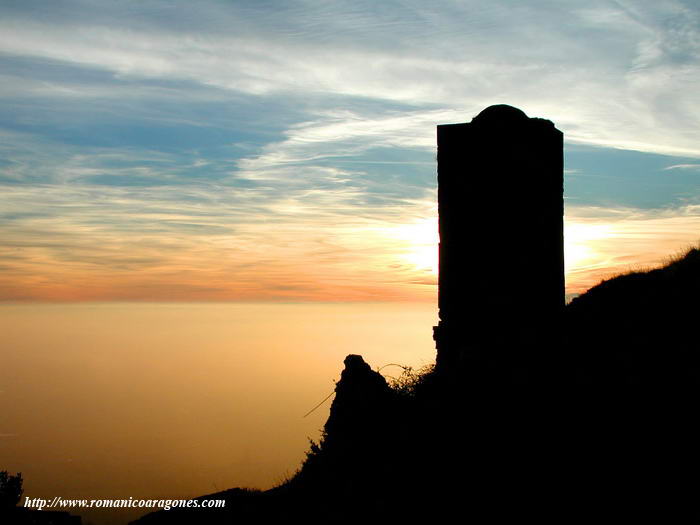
(638, 328)
(609, 436)
(534, 411)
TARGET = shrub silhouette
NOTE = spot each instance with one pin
(10, 489)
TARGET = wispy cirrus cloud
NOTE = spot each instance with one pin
(602, 97)
(694, 167)
(173, 150)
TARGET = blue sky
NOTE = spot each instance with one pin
(154, 150)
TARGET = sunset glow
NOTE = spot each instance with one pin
(205, 206)
(580, 241)
(419, 240)
(138, 165)
(602, 245)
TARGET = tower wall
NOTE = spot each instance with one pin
(500, 202)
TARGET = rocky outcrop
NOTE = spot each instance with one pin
(361, 398)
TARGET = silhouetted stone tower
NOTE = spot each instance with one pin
(501, 206)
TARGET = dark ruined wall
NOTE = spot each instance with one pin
(500, 195)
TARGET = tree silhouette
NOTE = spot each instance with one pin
(10, 489)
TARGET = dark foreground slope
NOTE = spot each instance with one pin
(640, 328)
(603, 431)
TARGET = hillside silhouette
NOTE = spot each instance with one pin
(646, 320)
(533, 411)
(611, 436)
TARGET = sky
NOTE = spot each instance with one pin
(285, 150)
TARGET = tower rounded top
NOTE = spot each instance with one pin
(500, 112)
